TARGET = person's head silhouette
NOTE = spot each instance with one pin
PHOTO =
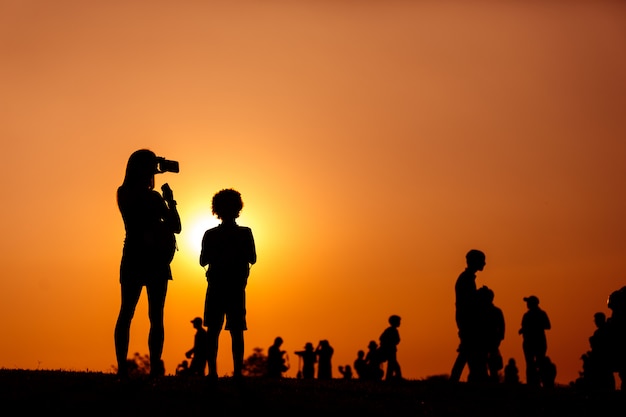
(140, 169)
(394, 320)
(599, 319)
(476, 260)
(197, 322)
(227, 204)
(486, 295)
(532, 301)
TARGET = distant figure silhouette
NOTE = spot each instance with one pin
(150, 222)
(345, 371)
(324, 360)
(547, 372)
(276, 359)
(534, 324)
(182, 369)
(228, 250)
(389, 340)
(616, 329)
(360, 365)
(511, 373)
(492, 332)
(374, 362)
(597, 375)
(198, 353)
(469, 350)
(309, 359)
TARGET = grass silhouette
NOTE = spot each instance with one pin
(67, 393)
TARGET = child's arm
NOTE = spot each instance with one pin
(204, 252)
(252, 248)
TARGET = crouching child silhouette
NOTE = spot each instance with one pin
(228, 251)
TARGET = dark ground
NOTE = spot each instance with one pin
(99, 394)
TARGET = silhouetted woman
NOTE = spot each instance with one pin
(150, 221)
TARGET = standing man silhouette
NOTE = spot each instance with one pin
(228, 250)
(535, 322)
(150, 222)
(465, 316)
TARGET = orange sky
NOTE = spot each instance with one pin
(374, 143)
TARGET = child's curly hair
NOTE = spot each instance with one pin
(227, 203)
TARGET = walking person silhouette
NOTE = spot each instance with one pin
(389, 340)
(228, 250)
(465, 316)
(150, 221)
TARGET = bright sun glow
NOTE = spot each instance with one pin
(193, 231)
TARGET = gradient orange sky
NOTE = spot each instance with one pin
(373, 142)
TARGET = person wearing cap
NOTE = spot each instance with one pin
(198, 353)
(535, 322)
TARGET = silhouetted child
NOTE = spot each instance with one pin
(547, 372)
(276, 362)
(345, 371)
(198, 353)
(511, 373)
(309, 359)
(535, 322)
(228, 250)
(324, 360)
(182, 369)
(374, 362)
(360, 365)
(389, 340)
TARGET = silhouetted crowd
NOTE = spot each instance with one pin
(607, 353)
(481, 327)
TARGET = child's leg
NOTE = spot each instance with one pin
(237, 348)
